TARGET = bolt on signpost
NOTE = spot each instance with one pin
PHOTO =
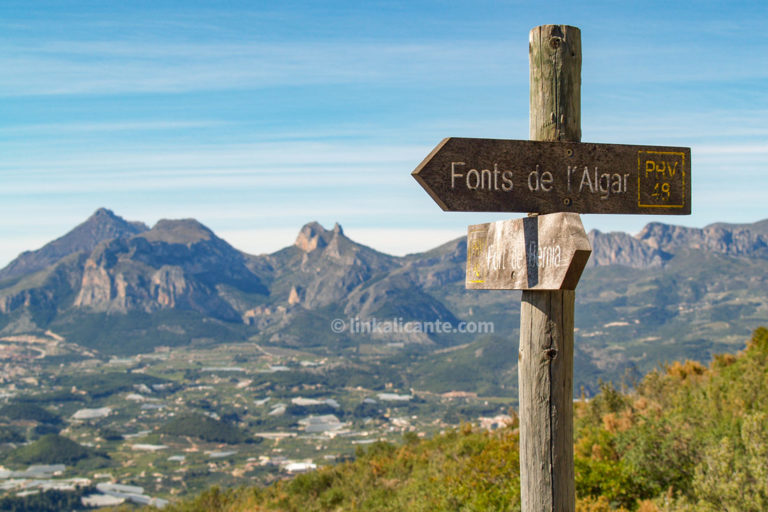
(553, 177)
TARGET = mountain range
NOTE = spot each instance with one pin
(120, 287)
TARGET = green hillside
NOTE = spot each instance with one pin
(687, 438)
(51, 449)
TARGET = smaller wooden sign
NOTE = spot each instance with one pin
(544, 252)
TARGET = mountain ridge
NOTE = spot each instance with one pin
(178, 284)
(650, 247)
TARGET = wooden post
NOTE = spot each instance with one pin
(545, 365)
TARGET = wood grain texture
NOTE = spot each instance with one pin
(501, 175)
(546, 401)
(545, 252)
(546, 317)
(554, 53)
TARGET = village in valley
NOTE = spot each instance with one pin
(171, 423)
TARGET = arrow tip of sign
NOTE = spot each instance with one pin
(429, 157)
(416, 174)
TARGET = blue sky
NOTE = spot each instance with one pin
(257, 117)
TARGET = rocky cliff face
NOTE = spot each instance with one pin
(734, 241)
(176, 264)
(623, 249)
(657, 242)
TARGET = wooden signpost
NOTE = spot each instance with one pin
(488, 175)
(544, 255)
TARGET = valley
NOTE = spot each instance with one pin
(175, 422)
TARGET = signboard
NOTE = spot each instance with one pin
(492, 175)
(543, 252)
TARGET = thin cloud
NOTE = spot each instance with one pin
(129, 67)
(102, 128)
(341, 157)
(735, 149)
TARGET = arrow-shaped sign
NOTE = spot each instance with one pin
(490, 175)
(544, 252)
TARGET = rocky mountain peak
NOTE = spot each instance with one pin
(103, 212)
(313, 235)
(178, 231)
(102, 225)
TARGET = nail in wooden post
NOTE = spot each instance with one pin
(546, 317)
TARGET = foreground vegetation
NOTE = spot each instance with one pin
(687, 438)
